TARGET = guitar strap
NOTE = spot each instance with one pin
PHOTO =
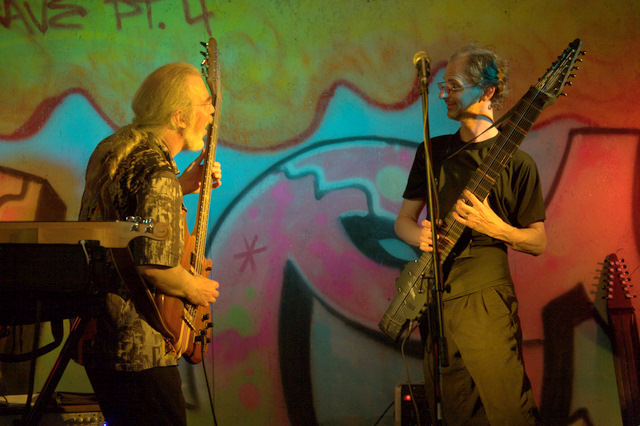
(493, 125)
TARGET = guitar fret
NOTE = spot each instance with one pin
(485, 175)
(517, 128)
(447, 240)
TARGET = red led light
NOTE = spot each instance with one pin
(407, 397)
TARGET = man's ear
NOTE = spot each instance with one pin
(488, 93)
(178, 119)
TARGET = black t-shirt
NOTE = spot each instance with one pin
(478, 261)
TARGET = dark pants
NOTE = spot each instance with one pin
(147, 397)
(485, 381)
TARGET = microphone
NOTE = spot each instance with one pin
(423, 65)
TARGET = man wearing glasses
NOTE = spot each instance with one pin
(485, 380)
(131, 368)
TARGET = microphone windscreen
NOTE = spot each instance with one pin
(420, 55)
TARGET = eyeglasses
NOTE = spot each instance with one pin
(448, 89)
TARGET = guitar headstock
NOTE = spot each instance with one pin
(618, 284)
(555, 79)
(210, 66)
(147, 228)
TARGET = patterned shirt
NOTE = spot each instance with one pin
(145, 185)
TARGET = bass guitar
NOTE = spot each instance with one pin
(410, 303)
(190, 325)
(625, 341)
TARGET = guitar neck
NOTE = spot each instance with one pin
(622, 321)
(211, 70)
(204, 202)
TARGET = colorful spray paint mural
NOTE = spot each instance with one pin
(320, 120)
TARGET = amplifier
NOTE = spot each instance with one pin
(84, 418)
(405, 409)
(66, 409)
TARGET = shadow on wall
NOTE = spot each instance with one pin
(560, 318)
(25, 197)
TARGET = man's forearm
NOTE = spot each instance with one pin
(408, 231)
(174, 281)
(532, 240)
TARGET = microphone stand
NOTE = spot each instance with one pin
(437, 332)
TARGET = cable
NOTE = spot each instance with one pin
(385, 412)
(410, 330)
(406, 367)
(32, 366)
(206, 380)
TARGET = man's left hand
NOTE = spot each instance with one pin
(478, 216)
(190, 179)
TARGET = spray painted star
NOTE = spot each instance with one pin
(249, 254)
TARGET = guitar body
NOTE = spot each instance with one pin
(189, 324)
(413, 290)
(197, 318)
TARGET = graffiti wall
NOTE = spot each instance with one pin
(321, 116)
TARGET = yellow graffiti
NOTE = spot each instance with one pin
(282, 60)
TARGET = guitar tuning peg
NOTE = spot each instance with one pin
(204, 43)
(583, 52)
(569, 83)
(203, 53)
(575, 68)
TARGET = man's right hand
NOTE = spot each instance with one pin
(178, 282)
(205, 291)
(426, 240)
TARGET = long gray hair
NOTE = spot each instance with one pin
(162, 93)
